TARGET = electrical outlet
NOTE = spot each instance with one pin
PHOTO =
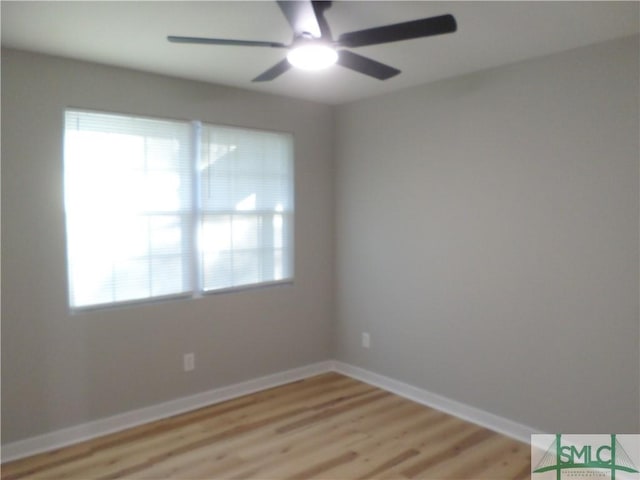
(366, 340)
(189, 362)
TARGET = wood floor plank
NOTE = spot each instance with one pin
(446, 450)
(311, 460)
(326, 427)
(321, 431)
(382, 452)
(477, 457)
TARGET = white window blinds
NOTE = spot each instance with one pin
(246, 185)
(146, 219)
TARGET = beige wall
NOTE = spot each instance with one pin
(59, 369)
(487, 238)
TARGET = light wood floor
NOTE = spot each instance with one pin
(328, 426)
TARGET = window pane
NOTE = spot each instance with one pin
(247, 199)
(131, 277)
(166, 234)
(127, 202)
(167, 274)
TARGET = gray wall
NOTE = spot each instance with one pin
(486, 231)
(487, 238)
(60, 369)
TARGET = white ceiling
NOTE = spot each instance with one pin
(133, 35)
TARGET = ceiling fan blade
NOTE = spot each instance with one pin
(365, 65)
(425, 27)
(224, 41)
(275, 71)
(301, 16)
(319, 6)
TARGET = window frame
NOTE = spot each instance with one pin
(195, 219)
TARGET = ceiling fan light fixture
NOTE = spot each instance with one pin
(312, 56)
(313, 47)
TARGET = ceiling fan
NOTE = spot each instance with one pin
(313, 46)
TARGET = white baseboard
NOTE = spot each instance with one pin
(96, 428)
(475, 415)
(89, 430)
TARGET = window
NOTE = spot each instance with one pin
(159, 208)
(246, 207)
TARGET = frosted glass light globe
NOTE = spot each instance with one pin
(312, 57)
